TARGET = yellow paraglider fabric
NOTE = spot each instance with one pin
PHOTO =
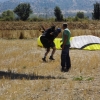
(39, 42)
(56, 41)
(58, 44)
(92, 47)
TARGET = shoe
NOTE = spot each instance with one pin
(51, 58)
(66, 70)
(44, 59)
(62, 70)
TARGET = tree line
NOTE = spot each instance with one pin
(23, 11)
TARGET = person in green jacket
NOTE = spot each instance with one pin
(65, 58)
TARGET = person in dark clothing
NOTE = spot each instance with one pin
(47, 39)
(65, 58)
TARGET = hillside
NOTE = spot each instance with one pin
(43, 6)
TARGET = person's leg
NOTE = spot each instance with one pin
(46, 45)
(47, 51)
(52, 45)
(63, 62)
(68, 62)
(52, 53)
(63, 59)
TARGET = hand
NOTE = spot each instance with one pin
(62, 47)
(51, 33)
(60, 41)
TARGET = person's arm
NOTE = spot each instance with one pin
(65, 40)
(43, 27)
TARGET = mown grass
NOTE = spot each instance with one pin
(23, 75)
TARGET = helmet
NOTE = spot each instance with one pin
(53, 28)
(59, 30)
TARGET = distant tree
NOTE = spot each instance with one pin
(58, 14)
(8, 15)
(75, 18)
(96, 11)
(80, 15)
(23, 10)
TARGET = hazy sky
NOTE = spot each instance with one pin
(3, 0)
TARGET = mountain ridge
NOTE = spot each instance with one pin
(47, 6)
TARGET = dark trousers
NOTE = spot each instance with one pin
(46, 42)
(65, 58)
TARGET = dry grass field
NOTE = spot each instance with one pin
(29, 30)
(23, 75)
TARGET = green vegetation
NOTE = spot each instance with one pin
(80, 15)
(58, 14)
(23, 10)
(78, 78)
(96, 11)
(81, 78)
(8, 15)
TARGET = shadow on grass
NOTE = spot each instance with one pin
(13, 76)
